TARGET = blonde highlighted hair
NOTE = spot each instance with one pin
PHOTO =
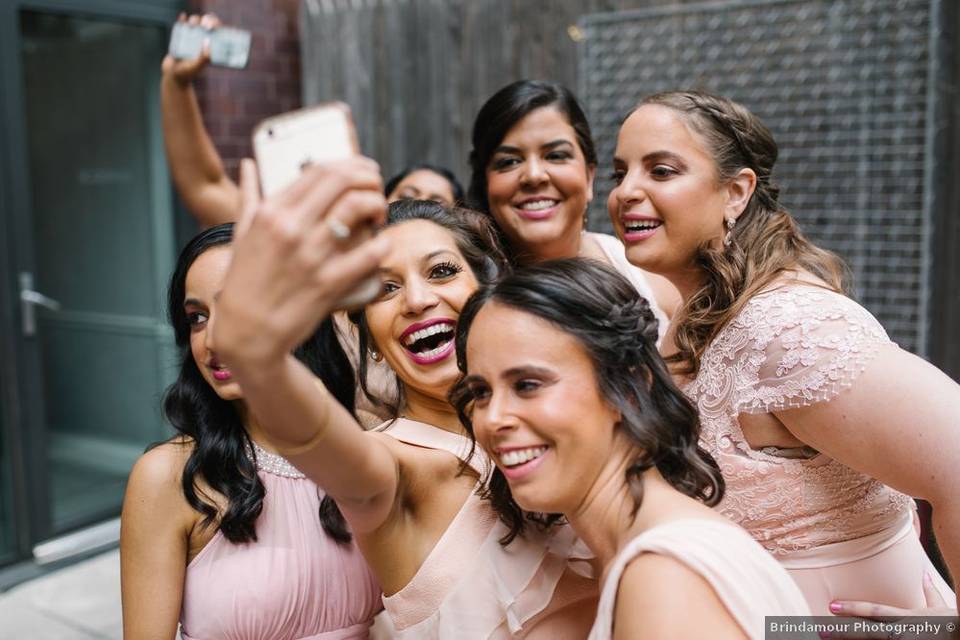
(764, 243)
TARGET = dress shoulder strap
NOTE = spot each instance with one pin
(426, 435)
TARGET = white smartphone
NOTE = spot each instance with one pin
(287, 143)
(228, 47)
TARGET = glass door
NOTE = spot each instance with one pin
(95, 245)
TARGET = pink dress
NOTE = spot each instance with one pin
(293, 583)
(472, 587)
(841, 534)
(745, 578)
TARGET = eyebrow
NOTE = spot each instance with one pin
(193, 302)
(553, 144)
(426, 258)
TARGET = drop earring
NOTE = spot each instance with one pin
(728, 239)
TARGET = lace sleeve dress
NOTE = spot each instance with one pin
(840, 533)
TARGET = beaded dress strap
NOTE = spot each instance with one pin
(273, 463)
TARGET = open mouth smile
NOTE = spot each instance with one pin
(635, 229)
(517, 463)
(430, 341)
(537, 208)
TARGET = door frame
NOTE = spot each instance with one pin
(22, 416)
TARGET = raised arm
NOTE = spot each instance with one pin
(197, 169)
(288, 270)
(899, 423)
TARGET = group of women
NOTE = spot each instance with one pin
(669, 434)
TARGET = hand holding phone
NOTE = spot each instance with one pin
(286, 144)
(228, 47)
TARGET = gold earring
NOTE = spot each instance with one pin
(376, 356)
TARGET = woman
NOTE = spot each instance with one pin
(533, 163)
(219, 531)
(424, 182)
(585, 421)
(805, 402)
(409, 489)
(197, 169)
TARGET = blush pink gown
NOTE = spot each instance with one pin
(840, 534)
(293, 583)
(746, 579)
(472, 587)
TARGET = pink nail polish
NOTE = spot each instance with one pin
(836, 607)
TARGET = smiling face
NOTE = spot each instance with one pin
(426, 283)
(203, 283)
(423, 184)
(539, 185)
(537, 408)
(668, 199)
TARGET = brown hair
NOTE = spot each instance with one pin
(765, 242)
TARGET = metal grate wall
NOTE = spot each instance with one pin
(844, 86)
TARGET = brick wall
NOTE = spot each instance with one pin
(233, 102)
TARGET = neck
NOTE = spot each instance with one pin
(253, 428)
(430, 410)
(566, 246)
(687, 281)
(606, 521)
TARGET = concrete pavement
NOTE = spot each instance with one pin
(80, 602)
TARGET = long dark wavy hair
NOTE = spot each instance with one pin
(476, 238)
(222, 450)
(765, 241)
(501, 112)
(617, 330)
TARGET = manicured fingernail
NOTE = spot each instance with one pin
(836, 607)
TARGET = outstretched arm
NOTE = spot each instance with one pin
(898, 423)
(197, 169)
(288, 270)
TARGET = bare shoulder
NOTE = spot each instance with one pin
(656, 597)
(155, 478)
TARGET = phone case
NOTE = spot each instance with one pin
(229, 47)
(285, 144)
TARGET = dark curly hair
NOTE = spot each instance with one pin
(222, 449)
(476, 238)
(618, 331)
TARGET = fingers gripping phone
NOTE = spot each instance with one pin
(228, 47)
(286, 144)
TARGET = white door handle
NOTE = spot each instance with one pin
(29, 301)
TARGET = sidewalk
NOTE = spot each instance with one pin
(81, 602)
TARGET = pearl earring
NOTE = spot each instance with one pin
(376, 356)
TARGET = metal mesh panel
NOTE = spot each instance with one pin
(844, 88)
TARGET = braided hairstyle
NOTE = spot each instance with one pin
(618, 331)
(765, 241)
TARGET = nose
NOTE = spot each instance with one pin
(419, 296)
(534, 172)
(630, 190)
(494, 417)
(208, 332)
